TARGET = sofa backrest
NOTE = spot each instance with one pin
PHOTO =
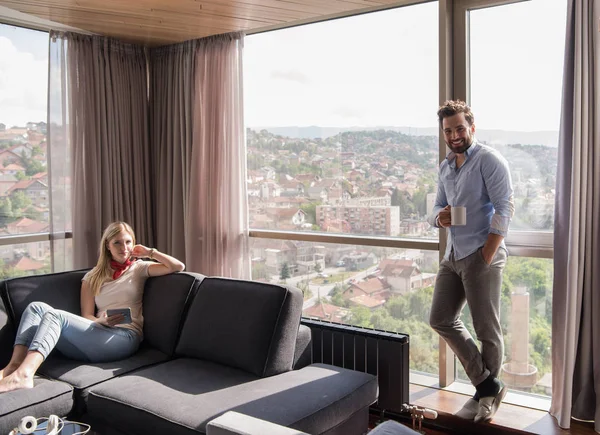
(60, 290)
(243, 324)
(166, 300)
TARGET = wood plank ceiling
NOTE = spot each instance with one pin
(160, 22)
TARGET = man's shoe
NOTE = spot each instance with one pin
(469, 410)
(489, 405)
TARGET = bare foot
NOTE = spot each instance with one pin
(15, 381)
(7, 371)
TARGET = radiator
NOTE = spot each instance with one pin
(380, 353)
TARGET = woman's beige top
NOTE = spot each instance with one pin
(126, 291)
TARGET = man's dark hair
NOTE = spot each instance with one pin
(454, 107)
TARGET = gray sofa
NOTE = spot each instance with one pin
(234, 423)
(211, 345)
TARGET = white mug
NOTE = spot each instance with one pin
(458, 216)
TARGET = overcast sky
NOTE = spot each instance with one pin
(378, 69)
(23, 75)
(381, 69)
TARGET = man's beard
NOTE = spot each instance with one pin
(462, 148)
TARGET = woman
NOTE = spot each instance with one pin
(117, 281)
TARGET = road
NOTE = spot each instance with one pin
(324, 290)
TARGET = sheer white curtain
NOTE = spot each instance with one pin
(199, 159)
(218, 207)
(576, 293)
(59, 153)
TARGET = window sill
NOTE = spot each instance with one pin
(517, 398)
(521, 413)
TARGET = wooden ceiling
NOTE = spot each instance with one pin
(160, 22)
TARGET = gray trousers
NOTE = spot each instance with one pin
(471, 280)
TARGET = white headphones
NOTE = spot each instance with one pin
(29, 425)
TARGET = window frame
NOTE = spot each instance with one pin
(48, 236)
(454, 83)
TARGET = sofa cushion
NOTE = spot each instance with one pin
(243, 324)
(60, 290)
(183, 395)
(391, 427)
(45, 398)
(165, 305)
(84, 375)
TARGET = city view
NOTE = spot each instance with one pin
(342, 139)
(383, 183)
(24, 203)
(24, 191)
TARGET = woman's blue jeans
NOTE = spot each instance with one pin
(43, 328)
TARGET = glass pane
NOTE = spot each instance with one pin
(526, 318)
(24, 201)
(516, 85)
(24, 183)
(341, 128)
(25, 259)
(524, 67)
(383, 288)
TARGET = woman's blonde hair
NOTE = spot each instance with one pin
(103, 272)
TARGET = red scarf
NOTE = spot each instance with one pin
(119, 268)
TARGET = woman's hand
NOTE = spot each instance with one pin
(140, 251)
(109, 321)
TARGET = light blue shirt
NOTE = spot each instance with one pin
(482, 185)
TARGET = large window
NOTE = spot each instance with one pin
(342, 141)
(369, 286)
(516, 80)
(515, 92)
(343, 150)
(342, 134)
(25, 247)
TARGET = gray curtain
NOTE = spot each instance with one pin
(172, 89)
(576, 291)
(108, 129)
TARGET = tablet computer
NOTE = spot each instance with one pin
(126, 312)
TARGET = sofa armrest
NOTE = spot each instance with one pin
(303, 350)
(234, 423)
(391, 427)
(7, 336)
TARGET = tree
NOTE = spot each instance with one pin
(36, 151)
(285, 272)
(259, 270)
(20, 201)
(311, 211)
(318, 267)
(397, 307)
(339, 300)
(20, 175)
(360, 316)
(6, 212)
(33, 167)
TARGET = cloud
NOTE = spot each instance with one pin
(346, 112)
(23, 86)
(292, 76)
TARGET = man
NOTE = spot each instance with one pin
(476, 177)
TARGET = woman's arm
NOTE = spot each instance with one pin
(166, 264)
